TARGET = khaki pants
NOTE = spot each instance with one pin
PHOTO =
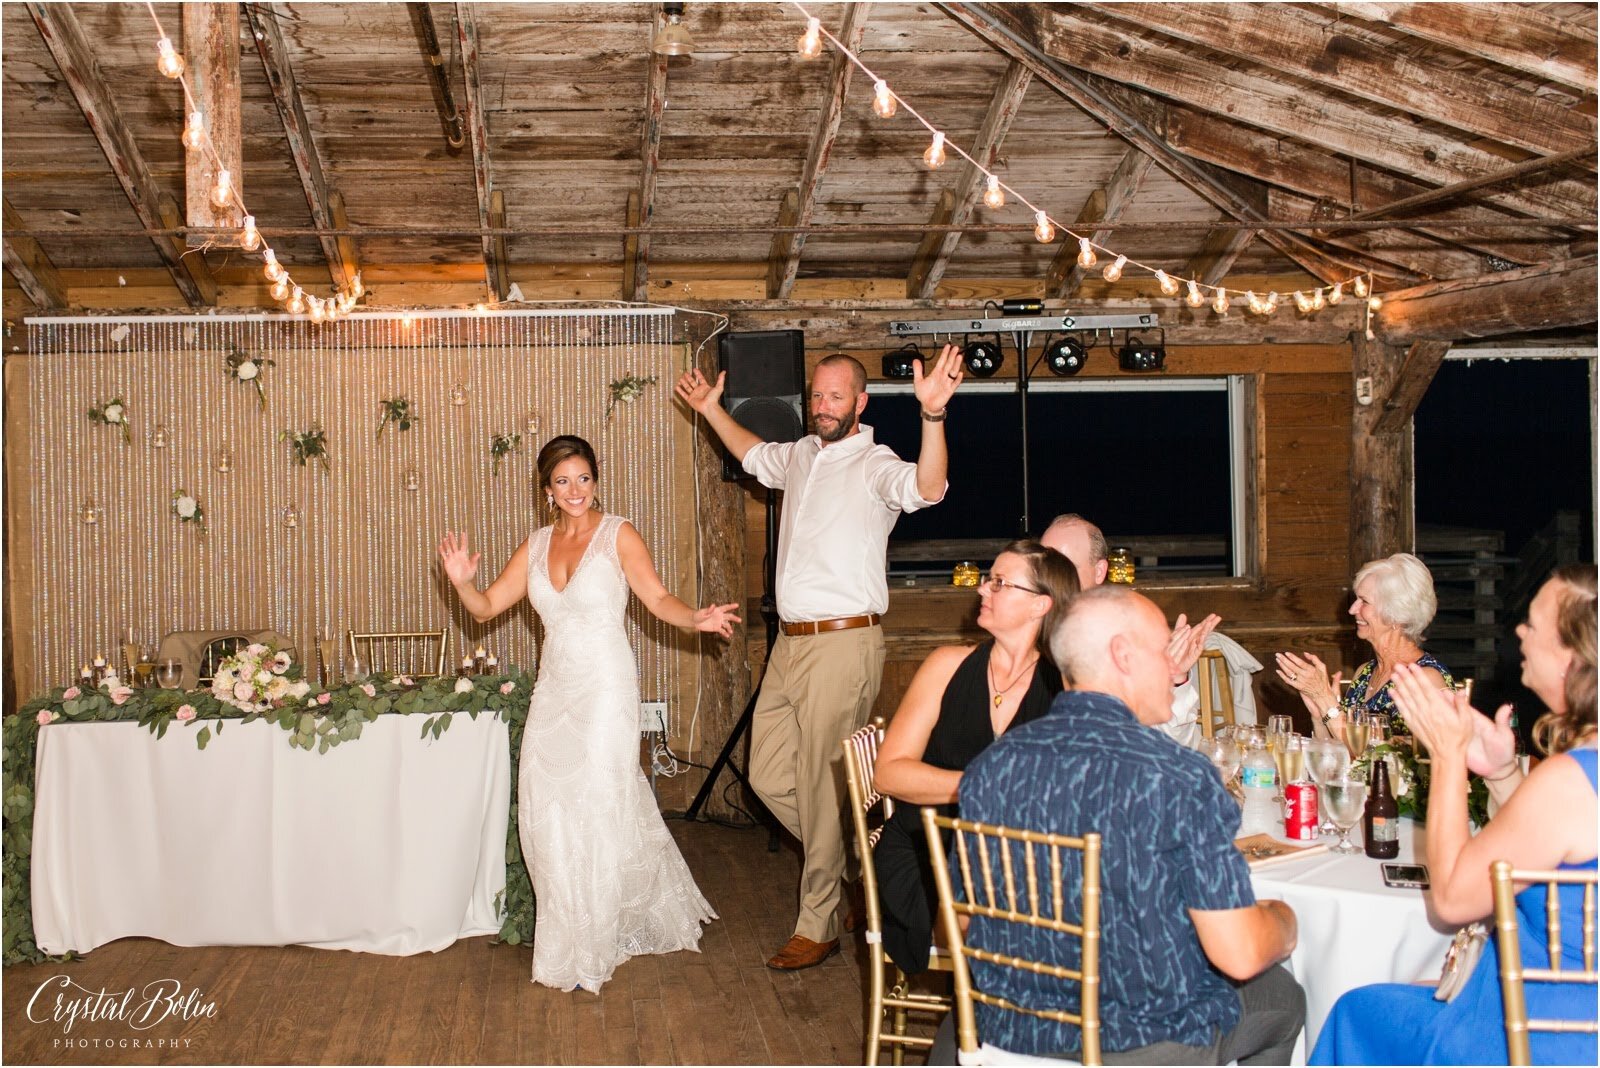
(817, 690)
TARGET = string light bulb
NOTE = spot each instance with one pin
(194, 134)
(297, 301)
(1318, 301)
(1168, 284)
(318, 311)
(1374, 302)
(356, 289)
(1360, 285)
(1302, 302)
(1252, 302)
(168, 62)
(811, 40)
(1086, 256)
(1043, 230)
(883, 101)
(1336, 294)
(934, 157)
(249, 236)
(222, 191)
(280, 289)
(1113, 271)
(271, 267)
(1272, 303)
(1194, 299)
(993, 196)
(1219, 303)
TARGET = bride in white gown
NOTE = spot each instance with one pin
(608, 880)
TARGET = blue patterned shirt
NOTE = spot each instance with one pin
(1167, 829)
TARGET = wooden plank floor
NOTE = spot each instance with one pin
(473, 1002)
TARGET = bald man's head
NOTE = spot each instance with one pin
(1081, 542)
(1114, 641)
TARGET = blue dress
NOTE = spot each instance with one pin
(1398, 1024)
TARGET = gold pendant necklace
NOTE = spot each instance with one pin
(999, 694)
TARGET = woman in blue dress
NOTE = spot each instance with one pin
(1549, 821)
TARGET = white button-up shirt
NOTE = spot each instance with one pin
(840, 502)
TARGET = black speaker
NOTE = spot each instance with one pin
(766, 378)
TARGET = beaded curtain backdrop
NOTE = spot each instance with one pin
(97, 550)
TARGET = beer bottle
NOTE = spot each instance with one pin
(1381, 824)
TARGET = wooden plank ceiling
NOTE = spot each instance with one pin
(1149, 122)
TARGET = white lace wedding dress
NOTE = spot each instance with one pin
(608, 880)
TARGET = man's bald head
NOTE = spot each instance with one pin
(1114, 641)
(1081, 542)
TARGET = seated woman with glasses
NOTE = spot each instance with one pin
(962, 698)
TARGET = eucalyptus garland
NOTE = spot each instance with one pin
(326, 719)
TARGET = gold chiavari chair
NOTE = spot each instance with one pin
(1513, 973)
(1216, 691)
(868, 810)
(986, 853)
(419, 653)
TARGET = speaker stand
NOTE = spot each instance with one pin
(769, 614)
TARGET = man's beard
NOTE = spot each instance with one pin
(842, 430)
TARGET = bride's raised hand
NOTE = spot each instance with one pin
(459, 566)
(717, 619)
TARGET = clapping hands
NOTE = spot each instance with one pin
(1446, 722)
(1188, 641)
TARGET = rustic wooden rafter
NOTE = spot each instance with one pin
(211, 47)
(64, 37)
(1417, 253)
(1216, 255)
(1349, 59)
(495, 271)
(1545, 296)
(1105, 205)
(636, 273)
(1280, 105)
(444, 101)
(1409, 382)
(1518, 36)
(933, 258)
(270, 45)
(784, 258)
(30, 266)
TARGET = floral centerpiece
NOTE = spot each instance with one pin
(258, 678)
(113, 413)
(627, 389)
(1410, 778)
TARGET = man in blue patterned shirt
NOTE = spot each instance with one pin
(1189, 959)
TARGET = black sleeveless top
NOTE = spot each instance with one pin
(964, 728)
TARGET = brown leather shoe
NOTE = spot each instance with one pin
(855, 912)
(800, 952)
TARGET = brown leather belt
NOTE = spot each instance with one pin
(819, 626)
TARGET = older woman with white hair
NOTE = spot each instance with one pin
(1394, 603)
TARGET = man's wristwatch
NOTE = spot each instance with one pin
(926, 418)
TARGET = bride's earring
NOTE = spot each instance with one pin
(549, 500)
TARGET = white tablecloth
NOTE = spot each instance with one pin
(1353, 929)
(386, 844)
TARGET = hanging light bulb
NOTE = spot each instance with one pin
(194, 134)
(222, 191)
(1194, 299)
(993, 196)
(1113, 270)
(1374, 302)
(168, 62)
(249, 236)
(356, 288)
(271, 267)
(1219, 303)
(1252, 302)
(1086, 256)
(1336, 294)
(1168, 284)
(1272, 303)
(319, 311)
(1043, 230)
(280, 290)
(297, 301)
(1302, 302)
(811, 40)
(1360, 285)
(1318, 300)
(933, 157)
(883, 101)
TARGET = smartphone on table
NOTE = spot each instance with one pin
(1410, 876)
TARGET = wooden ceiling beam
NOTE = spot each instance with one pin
(1546, 296)
(26, 260)
(1175, 73)
(211, 48)
(156, 210)
(1519, 36)
(320, 196)
(1105, 205)
(784, 258)
(1410, 381)
(1331, 53)
(934, 256)
(1019, 39)
(444, 101)
(1418, 253)
(636, 275)
(1217, 254)
(1292, 165)
(496, 273)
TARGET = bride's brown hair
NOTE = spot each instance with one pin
(560, 449)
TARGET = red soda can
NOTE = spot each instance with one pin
(1301, 822)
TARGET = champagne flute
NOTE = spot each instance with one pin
(1345, 800)
(1278, 728)
(1377, 728)
(1292, 757)
(1355, 735)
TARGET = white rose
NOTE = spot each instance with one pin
(262, 678)
(278, 688)
(187, 506)
(256, 649)
(247, 370)
(463, 686)
(299, 689)
(242, 691)
(113, 413)
(223, 680)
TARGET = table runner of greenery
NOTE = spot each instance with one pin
(325, 719)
